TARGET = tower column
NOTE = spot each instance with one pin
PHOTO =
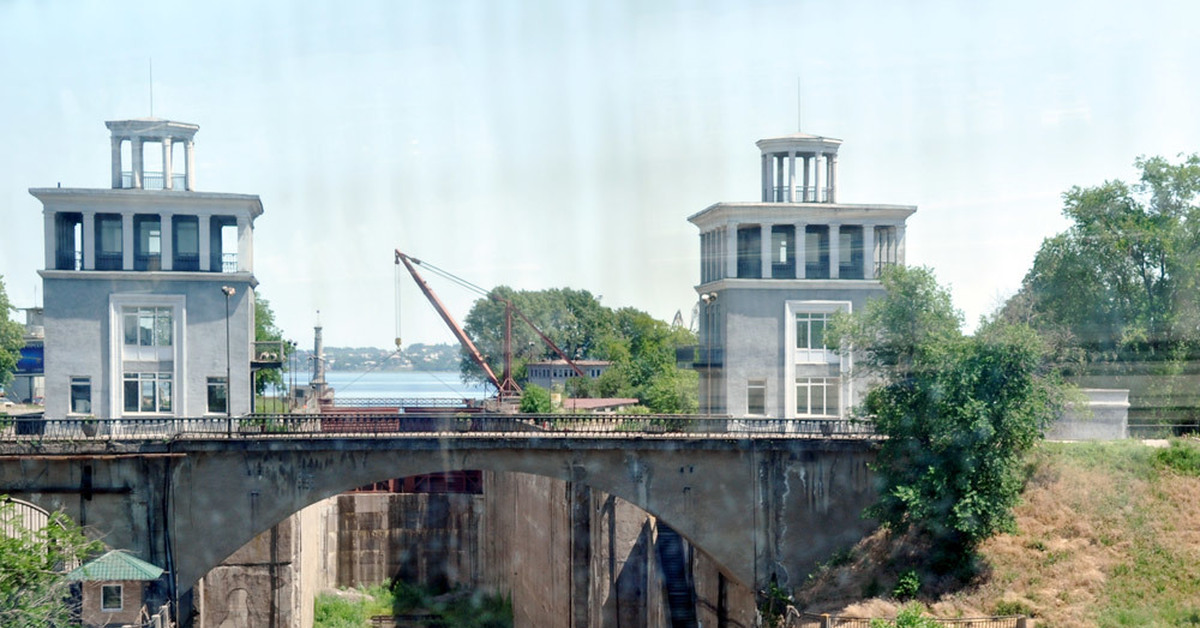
(804, 195)
(777, 192)
(50, 239)
(206, 244)
(89, 240)
(166, 161)
(868, 251)
(127, 239)
(835, 252)
(167, 247)
(833, 178)
(245, 247)
(116, 162)
(189, 165)
(765, 248)
(800, 252)
(731, 250)
(901, 243)
(136, 177)
(766, 177)
(817, 177)
(791, 194)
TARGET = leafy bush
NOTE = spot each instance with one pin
(911, 616)
(1183, 456)
(907, 586)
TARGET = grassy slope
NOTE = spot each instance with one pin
(1108, 535)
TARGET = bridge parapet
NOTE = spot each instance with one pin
(443, 424)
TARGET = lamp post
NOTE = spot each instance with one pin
(228, 291)
(708, 298)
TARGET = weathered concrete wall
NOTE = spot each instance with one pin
(259, 585)
(1105, 416)
(431, 539)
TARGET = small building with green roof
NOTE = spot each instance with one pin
(114, 589)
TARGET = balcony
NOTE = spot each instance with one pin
(267, 354)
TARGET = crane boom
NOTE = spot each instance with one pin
(458, 332)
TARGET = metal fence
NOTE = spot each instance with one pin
(442, 424)
(809, 620)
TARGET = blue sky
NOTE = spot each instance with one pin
(547, 144)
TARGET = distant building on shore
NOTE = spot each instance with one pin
(149, 286)
(771, 274)
(551, 373)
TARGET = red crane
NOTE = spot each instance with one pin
(506, 386)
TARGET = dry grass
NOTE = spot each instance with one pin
(1106, 537)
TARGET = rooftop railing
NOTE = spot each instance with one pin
(154, 180)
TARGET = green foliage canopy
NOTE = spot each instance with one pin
(11, 339)
(1123, 279)
(641, 348)
(33, 586)
(958, 412)
(266, 330)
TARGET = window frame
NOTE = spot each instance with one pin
(72, 383)
(752, 386)
(825, 385)
(104, 598)
(210, 383)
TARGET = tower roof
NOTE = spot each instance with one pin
(115, 565)
(152, 128)
(800, 143)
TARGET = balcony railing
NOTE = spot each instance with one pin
(229, 262)
(803, 194)
(154, 180)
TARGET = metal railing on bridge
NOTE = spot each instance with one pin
(427, 424)
(797, 619)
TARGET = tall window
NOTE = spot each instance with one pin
(187, 243)
(756, 397)
(783, 252)
(816, 252)
(147, 243)
(69, 241)
(817, 396)
(850, 250)
(148, 326)
(81, 395)
(147, 392)
(109, 246)
(218, 396)
(810, 337)
(886, 247)
(749, 252)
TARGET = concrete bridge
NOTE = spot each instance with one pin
(767, 499)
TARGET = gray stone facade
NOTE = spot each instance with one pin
(137, 283)
(772, 272)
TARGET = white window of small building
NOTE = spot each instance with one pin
(110, 597)
(756, 397)
(817, 396)
(81, 395)
(147, 392)
(218, 396)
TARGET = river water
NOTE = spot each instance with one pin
(402, 384)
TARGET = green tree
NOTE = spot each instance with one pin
(265, 330)
(33, 586)
(536, 400)
(11, 339)
(641, 348)
(958, 413)
(1123, 278)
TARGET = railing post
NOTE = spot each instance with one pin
(1022, 622)
(826, 621)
